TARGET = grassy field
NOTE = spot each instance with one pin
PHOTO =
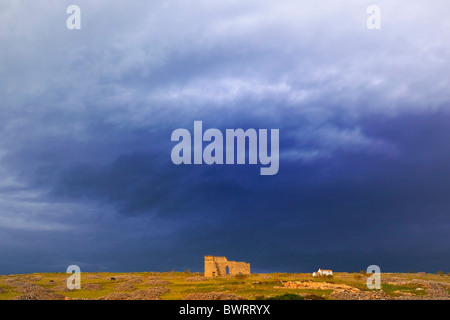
(182, 284)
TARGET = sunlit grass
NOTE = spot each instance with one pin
(250, 287)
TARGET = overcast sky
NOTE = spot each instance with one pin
(86, 117)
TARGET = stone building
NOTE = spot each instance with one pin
(220, 266)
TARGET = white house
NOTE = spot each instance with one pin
(323, 273)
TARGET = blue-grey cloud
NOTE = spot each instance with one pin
(86, 118)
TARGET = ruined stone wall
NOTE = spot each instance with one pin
(238, 267)
(217, 267)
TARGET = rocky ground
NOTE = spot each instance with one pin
(145, 294)
(213, 296)
(194, 286)
(55, 290)
(434, 291)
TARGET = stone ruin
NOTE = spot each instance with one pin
(220, 266)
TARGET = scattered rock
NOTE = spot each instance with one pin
(116, 296)
(403, 293)
(145, 294)
(149, 293)
(84, 286)
(91, 286)
(125, 286)
(156, 283)
(360, 295)
(435, 290)
(212, 296)
(31, 278)
(135, 280)
(61, 288)
(317, 286)
(40, 295)
(196, 278)
(26, 287)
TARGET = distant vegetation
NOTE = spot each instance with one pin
(322, 277)
(287, 296)
(189, 285)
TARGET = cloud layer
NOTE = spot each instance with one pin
(86, 118)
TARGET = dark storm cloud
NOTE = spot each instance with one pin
(351, 204)
(86, 119)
